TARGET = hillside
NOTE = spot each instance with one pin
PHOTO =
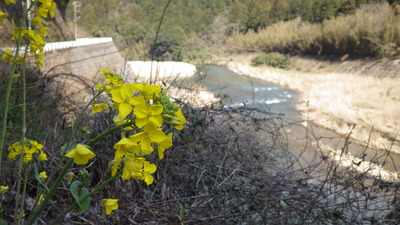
(196, 30)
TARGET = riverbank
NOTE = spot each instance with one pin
(367, 104)
(163, 73)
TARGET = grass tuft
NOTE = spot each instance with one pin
(272, 59)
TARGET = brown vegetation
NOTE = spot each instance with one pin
(374, 30)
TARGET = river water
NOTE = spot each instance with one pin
(304, 138)
(237, 90)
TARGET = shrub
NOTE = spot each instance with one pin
(272, 59)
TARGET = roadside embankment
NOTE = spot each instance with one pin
(366, 106)
(75, 71)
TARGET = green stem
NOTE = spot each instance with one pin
(94, 191)
(77, 122)
(20, 212)
(7, 102)
(9, 87)
(23, 136)
(52, 191)
(72, 137)
(64, 171)
(108, 132)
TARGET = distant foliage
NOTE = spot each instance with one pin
(371, 31)
(272, 59)
(133, 23)
(257, 14)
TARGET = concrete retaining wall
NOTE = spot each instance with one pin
(76, 70)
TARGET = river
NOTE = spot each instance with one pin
(306, 140)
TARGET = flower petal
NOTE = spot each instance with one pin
(124, 110)
(140, 122)
(141, 111)
(157, 120)
(158, 136)
(156, 109)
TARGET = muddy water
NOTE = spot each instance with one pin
(308, 143)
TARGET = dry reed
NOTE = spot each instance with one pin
(374, 30)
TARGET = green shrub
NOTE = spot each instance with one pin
(272, 59)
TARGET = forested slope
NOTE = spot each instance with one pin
(191, 29)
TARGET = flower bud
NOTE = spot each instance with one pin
(174, 122)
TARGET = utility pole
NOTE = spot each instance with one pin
(26, 5)
(77, 5)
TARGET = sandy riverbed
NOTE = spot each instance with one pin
(367, 106)
(166, 72)
(161, 70)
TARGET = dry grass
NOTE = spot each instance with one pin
(281, 36)
(373, 30)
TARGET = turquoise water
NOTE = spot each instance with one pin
(237, 90)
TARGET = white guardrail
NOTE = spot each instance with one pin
(77, 43)
(51, 46)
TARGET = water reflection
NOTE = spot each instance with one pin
(237, 90)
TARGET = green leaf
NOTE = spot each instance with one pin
(85, 204)
(67, 147)
(3, 222)
(85, 130)
(78, 193)
(74, 188)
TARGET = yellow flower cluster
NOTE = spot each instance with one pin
(145, 109)
(3, 189)
(81, 154)
(31, 149)
(34, 38)
(110, 205)
(149, 108)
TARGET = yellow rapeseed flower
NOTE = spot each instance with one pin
(43, 175)
(81, 154)
(3, 15)
(43, 31)
(36, 21)
(39, 63)
(149, 91)
(120, 122)
(8, 2)
(110, 205)
(40, 199)
(145, 113)
(149, 135)
(46, 8)
(99, 107)
(42, 156)
(182, 119)
(167, 143)
(124, 146)
(16, 32)
(123, 97)
(31, 148)
(3, 189)
(148, 169)
(8, 54)
(132, 165)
